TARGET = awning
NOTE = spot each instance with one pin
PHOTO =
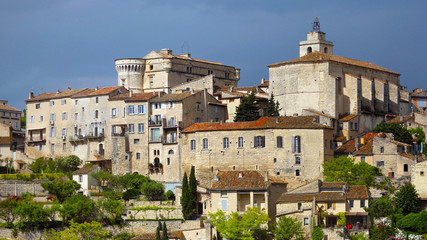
(34, 129)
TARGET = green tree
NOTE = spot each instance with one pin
(382, 207)
(24, 119)
(273, 108)
(406, 199)
(106, 180)
(248, 110)
(68, 164)
(158, 237)
(153, 190)
(61, 189)
(30, 214)
(317, 233)
(79, 231)
(192, 187)
(400, 133)
(165, 232)
(185, 197)
(112, 209)
(133, 181)
(420, 137)
(413, 222)
(78, 208)
(234, 226)
(288, 228)
(343, 169)
(6, 210)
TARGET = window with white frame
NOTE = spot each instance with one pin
(40, 118)
(205, 143)
(64, 132)
(51, 103)
(52, 117)
(140, 127)
(131, 128)
(226, 143)
(76, 116)
(296, 144)
(114, 112)
(193, 145)
(141, 109)
(131, 110)
(240, 142)
(32, 119)
(64, 116)
(63, 102)
(259, 141)
(53, 132)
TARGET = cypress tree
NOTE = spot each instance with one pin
(273, 108)
(165, 232)
(158, 233)
(192, 185)
(248, 110)
(185, 196)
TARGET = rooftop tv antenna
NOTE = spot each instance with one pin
(316, 25)
(185, 45)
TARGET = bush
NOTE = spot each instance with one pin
(124, 236)
(317, 233)
(131, 194)
(61, 189)
(170, 195)
(153, 190)
(78, 208)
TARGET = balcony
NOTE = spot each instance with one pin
(156, 139)
(77, 138)
(121, 134)
(99, 136)
(171, 123)
(155, 122)
(170, 141)
(35, 139)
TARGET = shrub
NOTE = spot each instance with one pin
(170, 195)
(153, 190)
(131, 194)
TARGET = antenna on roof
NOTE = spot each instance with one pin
(316, 25)
(185, 45)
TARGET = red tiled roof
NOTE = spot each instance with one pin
(55, 95)
(8, 108)
(176, 97)
(329, 185)
(407, 155)
(139, 97)
(419, 94)
(300, 122)
(346, 118)
(265, 84)
(85, 170)
(349, 146)
(249, 180)
(367, 148)
(96, 92)
(357, 192)
(399, 120)
(323, 57)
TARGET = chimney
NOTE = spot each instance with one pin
(295, 115)
(186, 55)
(216, 178)
(130, 93)
(266, 176)
(192, 91)
(58, 92)
(31, 95)
(96, 88)
(401, 118)
(166, 51)
(262, 80)
(356, 143)
(69, 88)
(277, 120)
(240, 175)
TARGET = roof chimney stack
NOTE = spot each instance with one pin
(262, 80)
(31, 95)
(266, 176)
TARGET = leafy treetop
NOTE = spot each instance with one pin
(248, 110)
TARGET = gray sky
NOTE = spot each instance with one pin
(47, 45)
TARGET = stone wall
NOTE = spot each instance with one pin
(17, 187)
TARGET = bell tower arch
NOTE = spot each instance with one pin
(316, 41)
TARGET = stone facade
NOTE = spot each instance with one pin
(10, 115)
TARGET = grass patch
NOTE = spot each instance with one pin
(31, 176)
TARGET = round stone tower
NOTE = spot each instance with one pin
(130, 73)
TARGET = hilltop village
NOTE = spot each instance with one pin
(170, 117)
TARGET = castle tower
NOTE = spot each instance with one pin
(131, 73)
(315, 42)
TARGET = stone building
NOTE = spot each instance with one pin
(161, 70)
(235, 191)
(336, 86)
(419, 99)
(309, 201)
(10, 115)
(419, 179)
(394, 159)
(292, 148)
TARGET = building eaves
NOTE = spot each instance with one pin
(56, 95)
(175, 97)
(96, 92)
(8, 108)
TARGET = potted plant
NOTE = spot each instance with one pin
(150, 166)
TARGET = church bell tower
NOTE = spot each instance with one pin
(315, 42)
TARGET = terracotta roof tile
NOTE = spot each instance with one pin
(55, 95)
(140, 97)
(85, 170)
(407, 155)
(265, 84)
(349, 146)
(346, 118)
(176, 97)
(329, 185)
(357, 192)
(96, 92)
(300, 122)
(419, 94)
(8, 108)
(366, 149)
(398, 119)
(249, 180)
(323, 57)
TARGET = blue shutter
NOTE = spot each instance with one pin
(293, 144)
(223, 204)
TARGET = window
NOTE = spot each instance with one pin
(297, 172)
(351, 202)
(64, 132)
(171, 152)
(40, 118)
(151, 81)
(51, 103)
(171, 104)
(362, 203)
(53, 131)
(151, 67)
(329, 205)
(95, 115)
(422, 173)
(189, 69)
(227, 75)
(224, 205)
(306, 221)
(198, 106)
(138, 155)
(223, 193)
(297, 160)
(52, 147)
(309, 50)
(76, 116)
(168, 161)
(63, 102)
(40, 147)
(279, 141)
(362, 159)
(405, 167)
(210, 72)
(114, 112)
(52, 117)
(75, 102)
(240, 142)
(296, 144)
(193, 145)
(83, 109)
(299, 206)
(340, 126)
(380, 163)
(259, 141)
(64, 146)
(38, 105)
(225, 142)
(64, 116)
(136, 141)
(216, 109)
(141, 109)
(197, 120)
(205, 143)
(355, 126)
(32, 119)
(131, 110)
(382, 149)
(140, 127)
(80, 178)
(131, 128)
(97, 99)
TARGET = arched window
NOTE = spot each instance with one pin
(170, 152)
(309, 50)
(156, 162)
(325, 50)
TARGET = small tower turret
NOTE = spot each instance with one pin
(315, 41)
(130, 73)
